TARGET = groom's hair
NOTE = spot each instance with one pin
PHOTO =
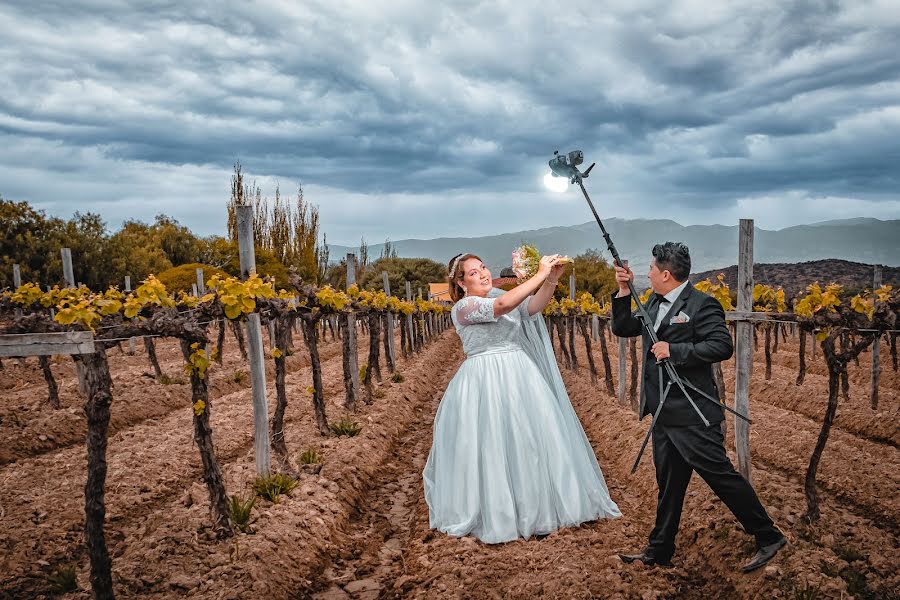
(673, 257)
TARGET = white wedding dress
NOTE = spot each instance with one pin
(509, 457)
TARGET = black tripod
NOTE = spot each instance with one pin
(567, 166)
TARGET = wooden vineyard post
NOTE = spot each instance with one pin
(422, 319)
(201, 291)
(17, 283)
(131, 343)
(389, 331)
(410, 324)
(595, 327)
(68, 272)
(69, 275)
(348, 338)
(570, 324)
(876, 346)
(255, 346)
(604, 353)
(743, 362)
(633, 388)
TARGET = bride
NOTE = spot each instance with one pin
(509, 457)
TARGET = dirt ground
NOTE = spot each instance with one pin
(359, 529)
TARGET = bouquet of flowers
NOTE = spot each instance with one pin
(525, 260)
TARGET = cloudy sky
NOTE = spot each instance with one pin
(425, 119)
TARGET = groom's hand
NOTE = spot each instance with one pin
(623, 276)
(660, 350)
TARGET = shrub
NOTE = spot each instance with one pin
(240, 512)
(345, 426)
(311, 457)
(273, 486)
(64, 579)
(182, 277)
(239, 377)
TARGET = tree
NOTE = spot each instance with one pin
(136, 253)
(279, 238)
(388, 250)
(418, 271)
(180, 245)
(362, 260)
(290, 235)
(305, 257)
(266, 265)
(183, 277)
(27, 238)
(336, 275)
(92, 261)
(592, 274)
(217, 251)
(243, 194)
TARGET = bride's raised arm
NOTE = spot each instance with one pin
(511, 299)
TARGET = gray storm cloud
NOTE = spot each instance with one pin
(694, 111)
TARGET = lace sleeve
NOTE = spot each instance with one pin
(474, 309)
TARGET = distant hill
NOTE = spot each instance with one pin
(862, 240)
(795, 277)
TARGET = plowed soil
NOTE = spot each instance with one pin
(359, 528)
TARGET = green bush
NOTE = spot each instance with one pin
(345, 426)
(182, 277)
(64, 579)
(311, 457)
(240, 512)
(273, 486)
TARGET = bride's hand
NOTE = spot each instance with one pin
(547, 265)
(556, 271)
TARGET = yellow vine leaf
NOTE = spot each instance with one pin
(27, 294)
(197, 363)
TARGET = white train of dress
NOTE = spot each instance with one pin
(509, 457)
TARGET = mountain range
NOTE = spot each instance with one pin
(795, 277)
(862, 240)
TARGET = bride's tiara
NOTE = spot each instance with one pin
(455, 264)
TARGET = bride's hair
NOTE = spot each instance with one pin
(455, 274)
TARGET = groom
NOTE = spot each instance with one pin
(693, 336)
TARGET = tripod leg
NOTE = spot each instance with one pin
(706, 396)
(677, 379)
(662, 400)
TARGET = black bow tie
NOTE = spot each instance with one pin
(663, 299)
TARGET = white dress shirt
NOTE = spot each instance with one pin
(664, 307)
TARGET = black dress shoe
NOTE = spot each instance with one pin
(763, 555)
(647, 559)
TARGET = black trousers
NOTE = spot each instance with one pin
(677, 453)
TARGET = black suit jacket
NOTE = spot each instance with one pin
(694, 347)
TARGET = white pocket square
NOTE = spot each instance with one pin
(679, 318)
